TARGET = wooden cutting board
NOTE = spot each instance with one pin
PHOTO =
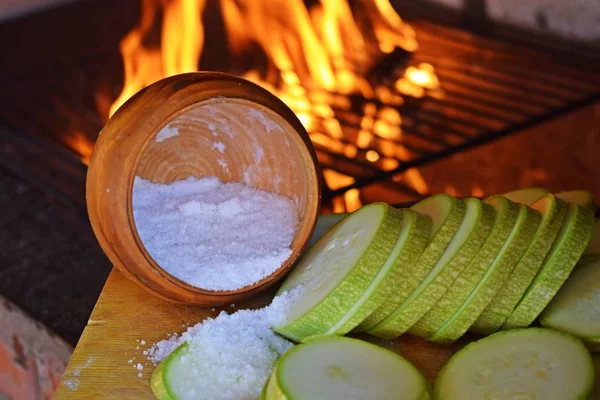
(125, 315)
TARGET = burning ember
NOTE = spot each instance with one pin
(319, 58)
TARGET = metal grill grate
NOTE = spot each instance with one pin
(488, 89)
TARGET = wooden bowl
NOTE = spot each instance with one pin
(267, 148)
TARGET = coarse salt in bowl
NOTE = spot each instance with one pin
(241, 149)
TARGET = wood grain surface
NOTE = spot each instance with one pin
(216, 124)
(126, 314)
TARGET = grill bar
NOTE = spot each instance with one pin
(489, 89)
(361, 182)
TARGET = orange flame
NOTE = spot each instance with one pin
(476, 191)
(336, 180)
(451, 190)
(182, 41)
(352, 200)
(412, 177)
(80, 144)
(315, 55)
(312, 48)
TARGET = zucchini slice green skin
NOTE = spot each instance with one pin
(333, 302)
(175, 379)
(441, 235)
(454, 259)
(457, 293)
(402, 278)
(393, 275)
(272, 390)
(536, 362)
(339, 368)
(263, 392)
(159, 383)
(521, 234)
(503, 303)
(576, 231)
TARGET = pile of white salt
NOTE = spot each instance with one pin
(213, 235)
(231, 356)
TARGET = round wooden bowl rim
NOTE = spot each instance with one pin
(249, 94)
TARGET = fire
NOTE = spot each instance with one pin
(387, 32)
(317, 55)
(476, 191)
(310, 49)
(415, 180)
(81, 145)
(336, 180)
(182, 41)
(417, 79)
(351, 200)
(412, 177)
(451, 190)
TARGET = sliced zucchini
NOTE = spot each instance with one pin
(394, 275)
(464, 245)
(340, 368)
(192, 369)
(504, 302)
(337, 271)
(534, 363)
(499, 223)
(161, 381)
(263, 392)
(272, 391)
(584, 198)
(526, 196)
(446, 214)
(574, 235)
(576, 307)
(593, 246)
(520, 233)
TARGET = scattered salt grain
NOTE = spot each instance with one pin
(73, 382)
(230, 356)
(139, 375)
(88, 362)
(130, 361)
(213, 235)
(139, 366)
(142, 342)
